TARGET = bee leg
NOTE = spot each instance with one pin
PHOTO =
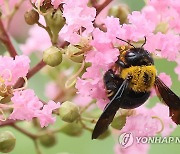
(112, 82)
(120, 63)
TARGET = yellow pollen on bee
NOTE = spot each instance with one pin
(142, 77)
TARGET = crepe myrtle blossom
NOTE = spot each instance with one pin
(25, 103)
(146, 122)
(78, 15)
(149, 122)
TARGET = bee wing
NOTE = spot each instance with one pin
(110, 110)
(169, 98)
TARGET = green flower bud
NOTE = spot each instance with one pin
(69, 112)
(120, 11)
(74, 54)
(162, 27)
(72, 129)
(119, 122)
(7, 141)
(31, 17)
(48, 140)
(52, 56)
(55, 21)
(104, 135)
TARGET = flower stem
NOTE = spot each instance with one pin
(27, 133)
(4, 38)
(102, 6)
(38, 151)
(32, 71)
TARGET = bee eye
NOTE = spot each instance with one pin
(131, 54)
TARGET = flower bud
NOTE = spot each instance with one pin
(74, 54)
(72, 129)
(7, 142)
(55, 21)
(52, 56)
(48, 140)
(31, 17)
(119, 122)
(104, 135)
(121, 12)
(69, 111)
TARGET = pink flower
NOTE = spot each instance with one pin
(166, 79)
(51, 90)
(82, 100)
(141, 125)
(168, 44)
(56, 3)
(134, 149)
(162, 119)
(102, 58)
(177, 69)
(11, 70)
(77, 15)
(25, 103)
(168, 123)
(45, 115)
(38, 40)
(27, 106)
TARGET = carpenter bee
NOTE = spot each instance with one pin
(130, 87)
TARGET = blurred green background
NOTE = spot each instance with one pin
(84, 144)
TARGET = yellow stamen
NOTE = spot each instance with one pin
(162, 124)
(10, 74)
(3, 118)
(25, 85)
(72, 80)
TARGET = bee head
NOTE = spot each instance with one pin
(138, 57)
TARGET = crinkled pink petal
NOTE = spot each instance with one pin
(45, 115)
(12, 69)
(25, 104)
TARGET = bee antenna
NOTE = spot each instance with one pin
(126, 42)
(144, 42)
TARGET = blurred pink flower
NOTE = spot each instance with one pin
(82, 100)
(38, 40)
(177, 69)
(12, 69)
(167, 123)
(134, 149)
(141, 125)
(51, 90)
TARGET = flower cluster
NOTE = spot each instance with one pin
(25, 103)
